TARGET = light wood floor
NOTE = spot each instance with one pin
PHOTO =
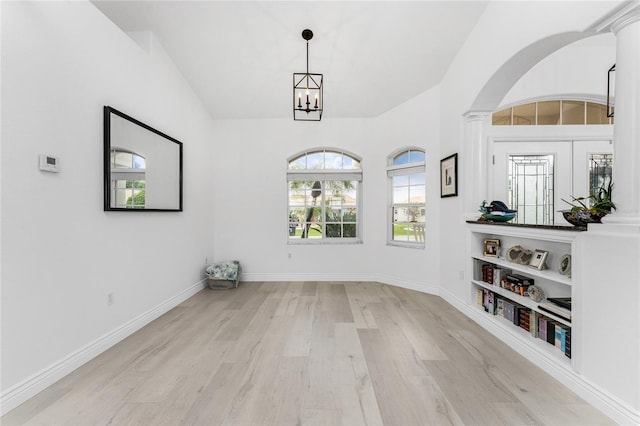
(308, 353)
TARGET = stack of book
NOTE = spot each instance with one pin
(555, 334)
(493, 274)
(540, 326)
(559, 306)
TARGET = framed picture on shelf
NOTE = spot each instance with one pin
(491, 248)
(538, 259)
(564, 266)
(449, 176)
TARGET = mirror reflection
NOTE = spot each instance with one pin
(143, 166)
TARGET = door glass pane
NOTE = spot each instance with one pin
(531, 188)
(600, 171)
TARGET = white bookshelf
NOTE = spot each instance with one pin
(558, 241)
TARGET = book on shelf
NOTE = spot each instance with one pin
(524, 318)
(551, 332)
(488, 301)
(554, 309)
(564, 302)
(533, 323)
(500, 307)
(542, 328)
(479, 296)
(558, 335)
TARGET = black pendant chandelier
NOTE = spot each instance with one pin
(307, 91)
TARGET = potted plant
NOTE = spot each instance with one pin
(590, 209)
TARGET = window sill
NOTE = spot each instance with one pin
(323, 241)
(405, 245)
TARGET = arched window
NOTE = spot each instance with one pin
(324, 196)
(552, 112)
(406, 173)
(128, 180)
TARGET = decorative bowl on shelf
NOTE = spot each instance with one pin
(497, 211)
(505, 217)
(582, 218)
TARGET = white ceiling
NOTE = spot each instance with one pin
(239, 56)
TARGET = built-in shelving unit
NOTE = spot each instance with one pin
(557, 241)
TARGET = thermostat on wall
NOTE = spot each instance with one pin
(49, 163)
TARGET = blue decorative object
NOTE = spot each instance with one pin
(224, 271)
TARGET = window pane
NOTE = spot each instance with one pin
(401, 180)
(401, 195)
(416, 156)
(349, 197)
(299, 163)
(402, 158)
(531, 191)
(572, 112)
(139, 162)
(416, 179)
(349, 230)
(600, 171)
(597, 114)
(501, 118)
(123, 160)
(524, 114)
(549, 113)
(350, 163)
(315, 161)
(349, 215)
(416, 194)
(332, 160)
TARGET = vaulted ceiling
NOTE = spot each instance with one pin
(239, 56)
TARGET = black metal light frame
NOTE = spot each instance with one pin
(610, 89)
(307, 91)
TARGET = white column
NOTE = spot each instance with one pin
(626, 130)
(475, 162)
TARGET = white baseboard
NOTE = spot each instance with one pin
(31, 386)
(618, 410)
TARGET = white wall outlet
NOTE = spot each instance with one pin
(110, 299)
(206, 260)
(461, 275)
(289, 255)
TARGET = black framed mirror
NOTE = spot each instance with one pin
(142, 166)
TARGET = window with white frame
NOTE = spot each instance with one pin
(128, 179)
(324, 190)
(406, 173)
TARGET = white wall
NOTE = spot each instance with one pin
(578, 69)
(251, 196)
(61, 253)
